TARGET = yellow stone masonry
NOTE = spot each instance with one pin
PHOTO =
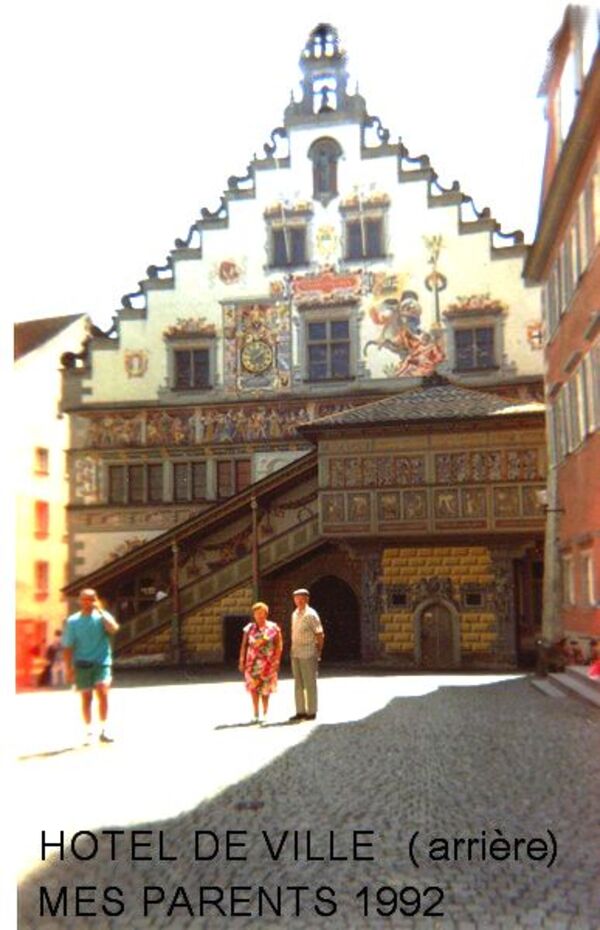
(203, 629)
(462, 564)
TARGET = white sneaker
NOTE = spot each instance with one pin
(88, 737)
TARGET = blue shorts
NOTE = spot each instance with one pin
(88, 678)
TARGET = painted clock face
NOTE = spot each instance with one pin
(257, 356)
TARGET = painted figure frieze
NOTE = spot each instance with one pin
(110, 430)
(376, 471)
(209, 424)
(493, 465)
(165, 428)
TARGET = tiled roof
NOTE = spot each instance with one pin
(442, 402)
(34, 333)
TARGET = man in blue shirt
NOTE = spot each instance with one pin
(88, 657)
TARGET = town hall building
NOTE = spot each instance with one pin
(335, 380)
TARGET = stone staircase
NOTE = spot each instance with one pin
(573, 682)
(296, 541)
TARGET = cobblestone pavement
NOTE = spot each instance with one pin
(313, 823)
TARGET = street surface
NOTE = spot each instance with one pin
(466, 802)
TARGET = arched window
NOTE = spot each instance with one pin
(324, 154)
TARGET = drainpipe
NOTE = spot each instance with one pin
(176, 618)
(255, 565)
(551, 615)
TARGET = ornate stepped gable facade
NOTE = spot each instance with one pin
(336, 271)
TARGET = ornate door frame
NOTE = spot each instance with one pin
(455, 619)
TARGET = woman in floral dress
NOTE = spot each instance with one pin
(260, 655)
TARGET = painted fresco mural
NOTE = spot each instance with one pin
(225, 423)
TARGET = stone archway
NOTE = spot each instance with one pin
(337, 605)
(437, 634)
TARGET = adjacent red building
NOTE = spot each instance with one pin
(565, 257)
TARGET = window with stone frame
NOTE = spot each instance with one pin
(328, 349)
(233, 476)
(287, 234)
(288, 246)
(189, 481)
(474, 348)
(364, 227)
(475, 333)
(364, 239)
(191, 368)
(137, 483)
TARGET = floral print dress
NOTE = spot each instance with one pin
(261, 650)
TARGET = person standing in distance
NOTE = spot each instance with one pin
(88, 658)
(307, 645)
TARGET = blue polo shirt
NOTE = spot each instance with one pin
(86, 636)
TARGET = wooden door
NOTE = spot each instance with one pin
(437, 647)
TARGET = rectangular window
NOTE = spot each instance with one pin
(198, 481)
(568, 588)
(364, 239)
(551, 315)
(233, 476)
(474, 348)
(587, 579)
(181, 481)
(562, 423)
(189, 481)
(155, 483)
(41, 519)
(137, 493)
(192, 369)
(135, 484)
(567, 271)
(592, 361)
(288, 246)
(242, 474)
(41, 579)
(582, 400)
(116, 484)
(558, 284)
(328, 350)
(41, 461)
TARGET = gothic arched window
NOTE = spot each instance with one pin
(324, 154)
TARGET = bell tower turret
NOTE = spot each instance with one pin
(324, 82)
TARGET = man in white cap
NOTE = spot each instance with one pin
(307, 645)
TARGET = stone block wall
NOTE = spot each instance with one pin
(202, 633)
(413, 571)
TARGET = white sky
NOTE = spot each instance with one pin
(128, 117)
